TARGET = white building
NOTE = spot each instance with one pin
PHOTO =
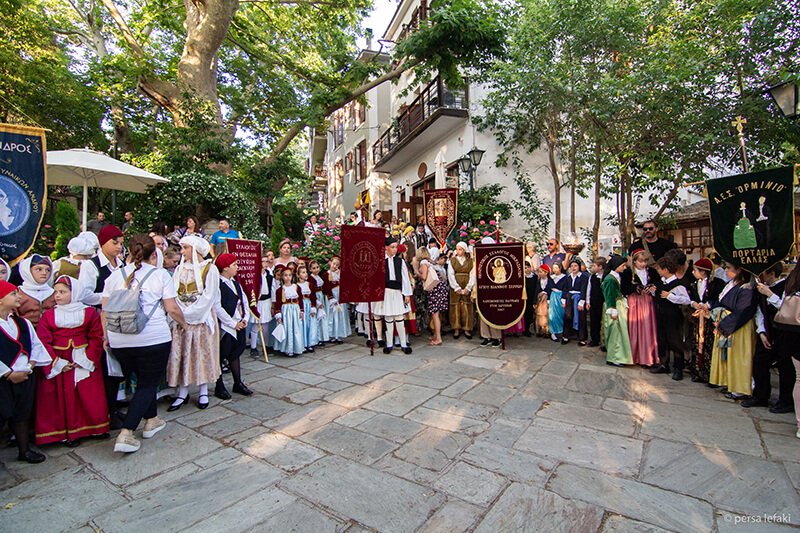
(415, 133)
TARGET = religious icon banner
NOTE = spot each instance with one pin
(248, 257)
(441, 211)
(23, 189)
(500, 283)
(363, 266)
(752, 217)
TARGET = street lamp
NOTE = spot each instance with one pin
(786, 98)
(468, 164)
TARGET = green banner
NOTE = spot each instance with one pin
(752, 217)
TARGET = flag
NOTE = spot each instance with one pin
(363, 266)
(248, 257)
(500, 283)
(441, 212)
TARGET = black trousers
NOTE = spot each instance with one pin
(669, 332)
(530, 309)
(149, 363)
(111, 386)
(780, 356)
(595, 322)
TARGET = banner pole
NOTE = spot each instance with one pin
(371, 341)
(263, 342)
(502, 339)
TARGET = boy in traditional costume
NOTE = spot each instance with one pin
(396, 298)
(233, 313)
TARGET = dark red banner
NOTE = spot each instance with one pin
(441, 212)
(500, 282)
(248, 256)
(363, 265)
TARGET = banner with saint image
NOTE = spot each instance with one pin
(500, 283)
(752, 217)
(248, 258)
(441, 212)
(23, 189)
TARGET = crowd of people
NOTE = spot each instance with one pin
(126, 319)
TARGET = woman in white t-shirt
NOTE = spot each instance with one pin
(145, 353)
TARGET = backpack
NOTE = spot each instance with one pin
(123, 309)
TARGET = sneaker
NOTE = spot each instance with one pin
(152, 426)
(126, 444)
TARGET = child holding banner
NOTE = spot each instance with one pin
(338, 316)
(289, 313)
(264, 307)
(233, 313)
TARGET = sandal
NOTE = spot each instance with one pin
(433, 343)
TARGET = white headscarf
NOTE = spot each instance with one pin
(8, 270)
(91, 238)
(81, 246)
(487, 240)
(71, 315)
(463, 245)
(200, 248)
(38, 291)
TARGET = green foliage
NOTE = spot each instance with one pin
(67, 227)
(482, 203)
(531, 208)
(46, 238)
(278, 234)
(292, 219)
(203, 194)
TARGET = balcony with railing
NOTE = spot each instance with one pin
(429, 117)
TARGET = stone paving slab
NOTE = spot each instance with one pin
(401, 400)
(374, 498)
(281, 451)
(513, 464)
(448, 421)
(391, 428)
(589, 417)
(433, 448)
(453, 516)
(346, 442)
(471, 484)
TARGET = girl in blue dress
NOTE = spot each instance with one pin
(555, 317)
(310, 322)
(288, 306)
(339, 314)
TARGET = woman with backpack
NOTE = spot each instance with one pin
(146, 351)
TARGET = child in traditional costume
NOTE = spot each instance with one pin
(595, 301)
(669, 318)
(195, 350)
(555, 316)
(264, 307)
(338, 316)
(288, 307)
(323, 306)
(396, 298)
(704, 293)
(70, 397)
(618, 344)
(642, 312)
(36, 293)
(233, 313)
(20, 352)
(575, 288)
(5, 270)
(734, 335)
(79, 265)
(542, 289)
(310, 322)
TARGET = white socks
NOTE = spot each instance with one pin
(183, 393)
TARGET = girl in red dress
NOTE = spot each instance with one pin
(70, 398)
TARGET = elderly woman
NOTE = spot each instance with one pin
(461, 278)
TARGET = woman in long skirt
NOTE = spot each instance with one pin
(615, 315)
(339, 317)
(555, 317)
(734, 336)
(642, 313)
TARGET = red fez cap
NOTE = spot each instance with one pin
(107, 233)
(6, 288)
(545, 268)
(224, 261)
(704, 264)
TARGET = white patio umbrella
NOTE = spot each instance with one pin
(83, 167)
(440, 177)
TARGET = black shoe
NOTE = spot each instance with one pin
(339, 341)
(660, 369)
(382, 343)
(225, 368)
(387, 349)
(254, 352)
(221, 392)
(564, 340)
(407, 350)
(527, 333)
(369, 343)
(486, 342)
(202, 405)
(72, 443)
(241, 388)
(593, 344)
(495, 343)
(32, 457)
(610, 363)
(712, 385)
(115, 421)
(677, 374)
(456, 335)
(101, 436)
(780, 409)
(752, 402)
(175, 407)
(603, 349)
(699, 379)
(468, 336)
(723, 390)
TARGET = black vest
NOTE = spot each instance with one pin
(11, 349)
(670, 311)
(398, 273)
(268, 295)
(229, 299)
(597, 291)
(104, 273)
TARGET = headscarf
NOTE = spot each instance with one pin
(462, 245)
(91, 238)
(200, 248)
(70, 315)
(37, 291)
(80, 246)
(487, 240)
(8, 270)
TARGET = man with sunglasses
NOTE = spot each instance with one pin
(651, 242)
(554, 255)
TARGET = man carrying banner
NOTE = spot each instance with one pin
(396, 298)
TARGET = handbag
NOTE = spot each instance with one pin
(788, 317)
(431, 280)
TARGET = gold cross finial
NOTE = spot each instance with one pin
(497, 216)
(739, 123)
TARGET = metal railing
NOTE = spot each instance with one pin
(435, 96)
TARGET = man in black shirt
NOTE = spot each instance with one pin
(651, 242)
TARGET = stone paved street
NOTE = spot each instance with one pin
(456, 438)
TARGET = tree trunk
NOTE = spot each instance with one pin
(551, 154)
(597, 190)
(573, 170)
